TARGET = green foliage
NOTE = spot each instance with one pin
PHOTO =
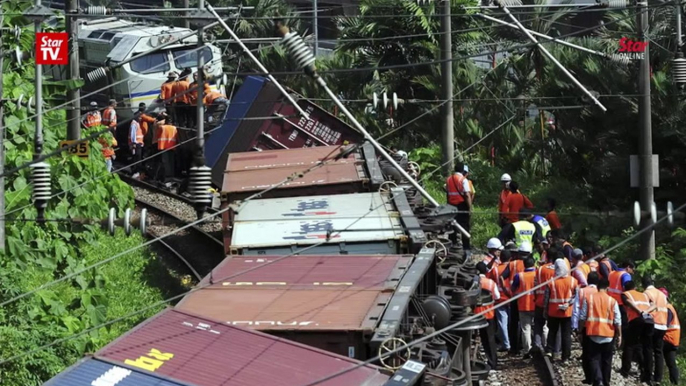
(35, 255)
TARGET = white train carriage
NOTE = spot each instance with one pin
(107, 42)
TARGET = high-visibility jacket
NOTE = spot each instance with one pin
(524, 232)
(139, 133)
(107, 150)
(600, 320)
(526, 283)
(616, 289)
(193, 93)
(585, 292)
(455, 186)
(92, 119)
(145, 121)
(543, 274)
(608, 265)
(543, 223)
(561, 292)
(212, 96)
(167, 138)
(673, 334)
(488, 285)
(585, 269)
(179, 89)
(660, 300)
(167, 92)
(516, 266)
(641, 301)
(503, 285)
(109, 117)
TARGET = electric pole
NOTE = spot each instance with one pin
(74, 94)
(315, 28)
(187, 20)
(447, 133)
(645, 155)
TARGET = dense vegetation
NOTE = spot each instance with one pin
(582, 160)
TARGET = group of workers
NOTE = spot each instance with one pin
(562, 291)
(148, 134)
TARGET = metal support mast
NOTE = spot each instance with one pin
(447, 130)
(645, 155)
(2, 149)
(73, 95)
(200, 175)
(315, 26)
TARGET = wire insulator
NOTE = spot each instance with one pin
(509, 3)
(679, 71)
(616, 3)
(97, 74)
(40, 177)
(97, 10)
(295, 45)
(199, 185)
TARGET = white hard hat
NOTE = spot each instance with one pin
(494, 243)
(401, 153)
(505, 178)
(94, 104)
(525, 247)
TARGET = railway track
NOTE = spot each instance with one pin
(199, 247)
(516, 371)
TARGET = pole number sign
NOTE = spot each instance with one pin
(81, 149)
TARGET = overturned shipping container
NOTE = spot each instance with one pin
(203, 352)
(261, 118)
(336, 303)
(363, 223)
(102, 372)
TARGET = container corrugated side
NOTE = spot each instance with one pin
(98, 372)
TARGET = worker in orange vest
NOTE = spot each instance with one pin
(214, 100)
(488, 333)
(109, 116)
(180, 92)
(147, 123)
(166, 138)
(606, 266)
(515, 202)
(523, 283)
(136, 142)
(167, 92)
(543, 274)
(618, 280)
(108, 142)
(458, 192)
(581, 271)
(638, 332)
(559, 301)
(502, 313)
(552, 217)
(505, 179)
(193, 97)
(93, 117)
(584, 293)
(672, 338)
(660, 313)
(602, 324)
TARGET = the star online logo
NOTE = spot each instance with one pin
(52, 48)
(632, 49)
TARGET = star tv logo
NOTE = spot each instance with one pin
(632, 49)
(51, 48)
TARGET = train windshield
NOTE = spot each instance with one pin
(152, 63)
(188, 57)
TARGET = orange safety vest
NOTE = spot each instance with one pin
(193, 94)
(109, 117)
(543, 274)
(673, 334)
(608, 265)
(179, 89)
(516, 266)
(212, 96)
(526, 283)
(107, 150)
(660, 300)
(139, 132)
(503, 285)
(167, 138)
(561, 292)
(585, 292)
(488, 285)
(615, 289)
(167, 92)
(93, 119)
(601, 315)
(145, 120)
(455, 189)
(641, 301)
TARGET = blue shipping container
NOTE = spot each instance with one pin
(96, 372)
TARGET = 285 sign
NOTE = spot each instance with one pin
(81, 149)
(52, 48)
